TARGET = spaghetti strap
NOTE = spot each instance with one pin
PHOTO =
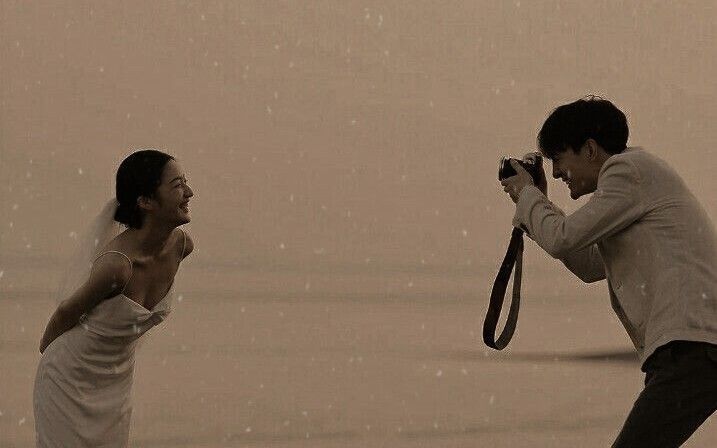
(184, 244)
(128, 259)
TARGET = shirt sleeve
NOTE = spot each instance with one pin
(615, 205)
(586, 264)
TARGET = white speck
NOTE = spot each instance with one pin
(385, 53)
(380, 20)
(216, 63)
(353, 122)
(180, 298)
(276, 95)
(291, 65)
(268, 109)
(2, 273)
(287, 422)
(282, 246)
(464, 371)
(465, 232)
(410, 284)
(492, 399)
(291, 198)
(248, 429)
(435, 425)
(242, 309)
(203, 17)
(304, 413)
(307, 286)
(15, 206)
(430, 103)
(21, 422)
(704, 296)
(439, 373)
(276, 46)
(128, 115)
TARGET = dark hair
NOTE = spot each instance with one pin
(138, 175)
(571, 125)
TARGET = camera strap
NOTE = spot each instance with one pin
(513, 257)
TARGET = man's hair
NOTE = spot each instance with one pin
(571, 125)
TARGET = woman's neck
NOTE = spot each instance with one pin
(151, 239)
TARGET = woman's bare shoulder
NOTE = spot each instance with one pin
(113, 267)
(185, 242)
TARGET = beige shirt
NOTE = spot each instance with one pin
(645, 232)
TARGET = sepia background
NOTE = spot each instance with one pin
(347, 217)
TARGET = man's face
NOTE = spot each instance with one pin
(576, 170)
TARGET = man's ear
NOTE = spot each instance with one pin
(591, 146)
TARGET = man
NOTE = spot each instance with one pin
(645, 233)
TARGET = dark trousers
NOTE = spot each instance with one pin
(680, 393)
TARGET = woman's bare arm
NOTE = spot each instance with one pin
(108, 277)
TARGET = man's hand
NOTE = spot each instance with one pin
(543, 184)
(515, 184)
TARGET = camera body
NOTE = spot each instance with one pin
(506, 170)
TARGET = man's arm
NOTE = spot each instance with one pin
(586, 264)
(616, 204)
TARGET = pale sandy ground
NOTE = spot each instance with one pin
(318, 135)
(357, 360)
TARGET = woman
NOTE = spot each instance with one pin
(84, 379)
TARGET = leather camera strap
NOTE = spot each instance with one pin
(513, 257)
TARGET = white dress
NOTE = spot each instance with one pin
(84, 380)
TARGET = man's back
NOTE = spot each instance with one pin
(662, 268)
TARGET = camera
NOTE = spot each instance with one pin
(506, 170)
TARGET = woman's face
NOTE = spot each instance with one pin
(172, 195)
